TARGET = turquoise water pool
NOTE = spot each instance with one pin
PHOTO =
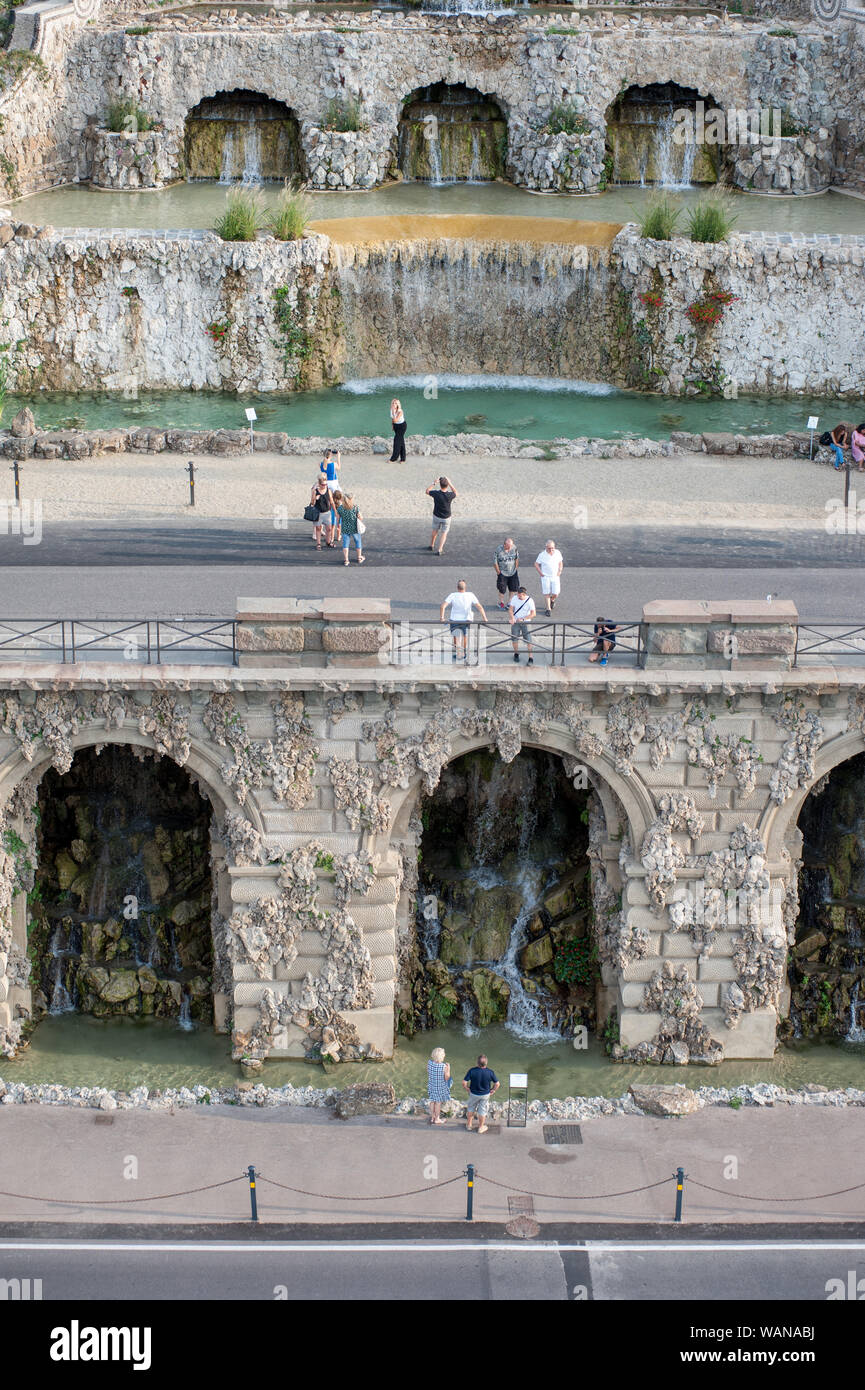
(522, 407)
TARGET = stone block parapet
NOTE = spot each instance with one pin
(723, 636)
(288, 632)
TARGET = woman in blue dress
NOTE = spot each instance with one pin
(438, 1084)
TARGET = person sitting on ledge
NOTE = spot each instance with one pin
(857, 446)
(605, 640)
(840, 440)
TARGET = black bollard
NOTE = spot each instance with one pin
(253, 1203)
(847, 496)
(680, 1187)
(15, 470)
(470, 1190)
(191, 467)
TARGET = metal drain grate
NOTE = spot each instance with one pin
(103, 1119)
(521, 1206)
(562, 1134)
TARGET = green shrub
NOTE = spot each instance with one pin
(565, 119)
(139, 29)
(288, 220)
(242, 217)
(575, 962)
(789, 124)
(343, 113)
(127, 115)
(659, 218)
(710, 220)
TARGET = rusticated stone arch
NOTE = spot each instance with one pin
(777, 826)
(204, 764)
(614, 790)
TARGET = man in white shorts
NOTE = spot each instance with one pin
(549, 566)
(461, 603)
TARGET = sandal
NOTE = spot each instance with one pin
(318, 547)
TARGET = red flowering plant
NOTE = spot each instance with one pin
(652, 299)
(217, 331)
(706, 312)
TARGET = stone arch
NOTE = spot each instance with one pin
(242, 135)
(643, 123)
(778, 823)
(612, 787)
(203, 768)
(201, 761)
(451, 131)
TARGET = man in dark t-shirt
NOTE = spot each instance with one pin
(443, 496)
(481, 1082)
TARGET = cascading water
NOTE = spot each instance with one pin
(121, 922)
(646, 133)
(503, 889)
(827, 971)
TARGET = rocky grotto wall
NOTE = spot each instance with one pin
(521, 62)
(188, 310)
(121, 902)
(317, 793)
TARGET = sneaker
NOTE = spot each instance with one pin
(516, 656)
(531, 661)
(553, 600)
(603, 661)
(453, 656)
(501, 605)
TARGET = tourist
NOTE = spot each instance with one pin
(839, 440)
(398, 423)
(353, 528)
(337, 495)
(507, 564)
(549, 566)
(857, 446)
(443, 494)
(605, 640)
(438, 1073)
(330, 465)
(521, 612)
(461, 603)
(322, 501)
(481, 1083)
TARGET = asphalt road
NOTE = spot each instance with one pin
(188, 542)
(460, 1268)
(822, 595)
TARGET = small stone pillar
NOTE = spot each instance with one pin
(345, 632)
(746, 634)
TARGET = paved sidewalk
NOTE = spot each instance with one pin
(787, 1154)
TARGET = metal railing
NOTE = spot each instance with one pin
(553, 644)
(146, 640)
(817, 642)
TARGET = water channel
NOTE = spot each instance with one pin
(197, 205)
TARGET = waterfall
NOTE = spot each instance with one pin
(856, 1032)
(60, 1001)
(252, 154)
(184, 1019)
(673, 169)
(475, 168)
(435, 158)
(470, 1030)
(228, 158)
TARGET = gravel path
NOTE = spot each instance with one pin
(693, 490)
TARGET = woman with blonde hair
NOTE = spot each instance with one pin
(438, 1084)
(398, 422)
(351, 521)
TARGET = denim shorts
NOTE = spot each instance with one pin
(357, 538)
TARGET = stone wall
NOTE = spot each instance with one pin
(769, 336)
(315, 776)
(521, 61)
(122, 162)
(124, 310)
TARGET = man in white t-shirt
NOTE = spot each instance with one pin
(549, 566)
(520, 613)
(461, 603)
